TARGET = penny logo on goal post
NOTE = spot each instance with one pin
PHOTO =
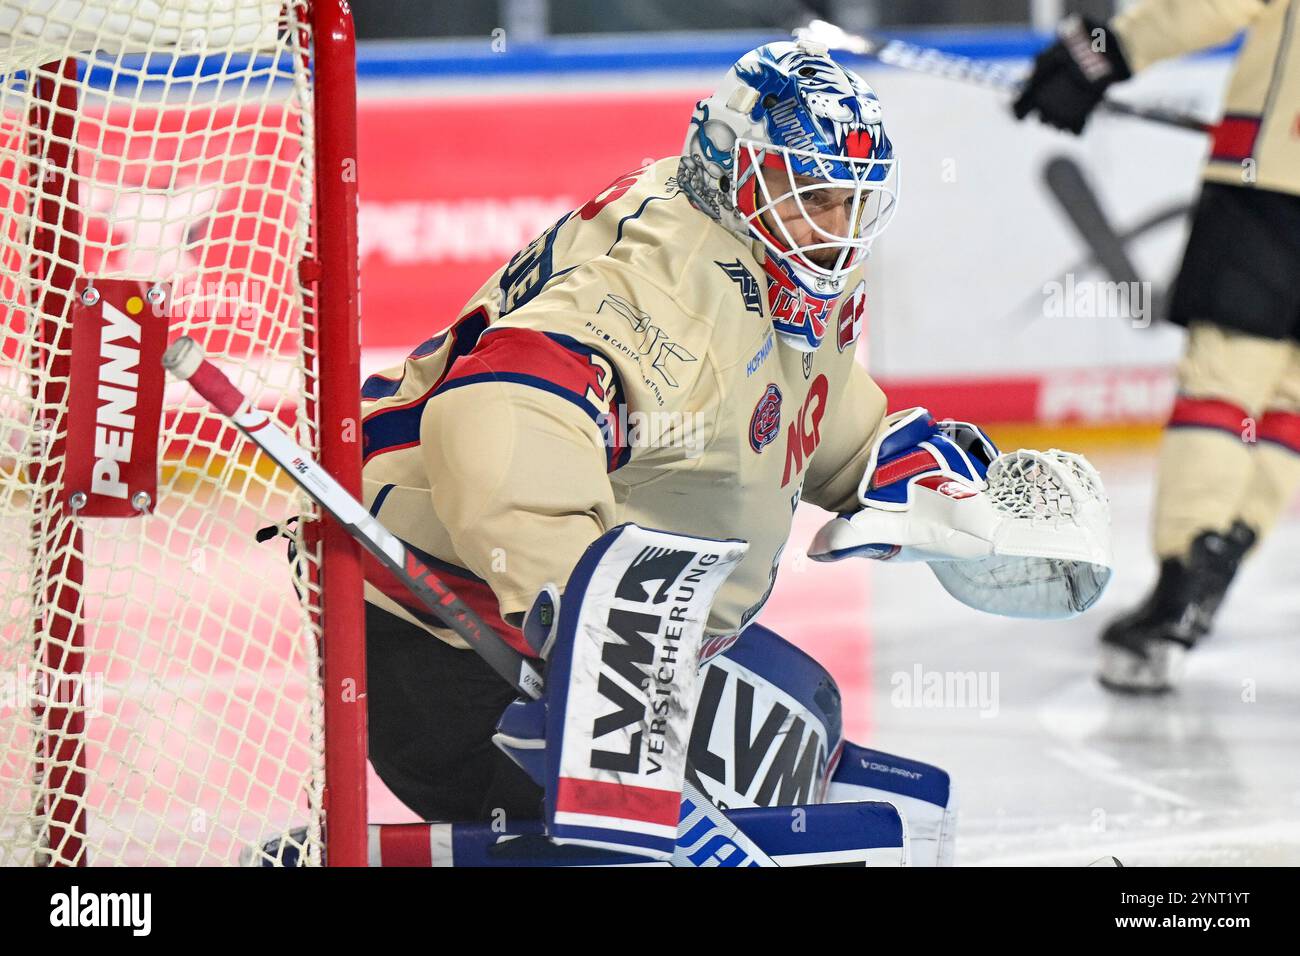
(115, 398)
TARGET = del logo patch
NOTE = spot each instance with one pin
(749, 291)
(766, 423)
(851, 312)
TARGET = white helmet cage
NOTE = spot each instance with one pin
(791, 152)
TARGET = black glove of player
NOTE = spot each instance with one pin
(1071, 75)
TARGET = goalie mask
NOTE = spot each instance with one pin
(790, 152)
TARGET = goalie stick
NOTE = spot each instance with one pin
(184, 358)
(920, 59)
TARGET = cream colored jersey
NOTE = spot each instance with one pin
(622, 368)
(1258, 141)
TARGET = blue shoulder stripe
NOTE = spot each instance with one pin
(399, 427)
(517, 378)
(377, 386)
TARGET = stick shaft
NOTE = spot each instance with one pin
(211, 383)
(953, 66)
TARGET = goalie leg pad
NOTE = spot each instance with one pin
(923, 793)
(621, 687)
(767, 726)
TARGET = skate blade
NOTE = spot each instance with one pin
(1157, 673)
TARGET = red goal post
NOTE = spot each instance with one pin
(172, 691)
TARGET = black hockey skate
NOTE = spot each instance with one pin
(1143, 651)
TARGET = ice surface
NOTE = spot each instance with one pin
(1050, 768)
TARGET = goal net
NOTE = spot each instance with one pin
(167, 168)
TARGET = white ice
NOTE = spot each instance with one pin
(1051, 768)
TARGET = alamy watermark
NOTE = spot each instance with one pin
(634, 429)
(78, 908)
(962, 690)
(1098, 300)
(26, 689)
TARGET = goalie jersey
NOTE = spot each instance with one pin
(622, 368)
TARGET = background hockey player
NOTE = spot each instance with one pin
(1230, 458)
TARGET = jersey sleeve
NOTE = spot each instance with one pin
(521, 435)
(1158, 29)
(518, 473)
(837, 468)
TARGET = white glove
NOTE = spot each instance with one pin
(921, 495)
(1027, 535)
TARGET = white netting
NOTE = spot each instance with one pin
(1051, 545)
(200, 689)
(1054, 486)
(38, 31)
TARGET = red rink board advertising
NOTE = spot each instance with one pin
(451, 189)
(437, 220)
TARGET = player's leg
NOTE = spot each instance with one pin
(1236, 292)
(1206, 466)
(432, 711)
(1277, 452)
(1206, 461)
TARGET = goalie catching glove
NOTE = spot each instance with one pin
(1025, 534)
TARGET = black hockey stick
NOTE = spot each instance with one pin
(184, 358)
(1067, 183)
(920, 59)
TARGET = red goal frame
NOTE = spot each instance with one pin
(333, 277)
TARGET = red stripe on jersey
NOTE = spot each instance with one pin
(601, 798)
(1281, 427)
(528, 352)
(1207, 413)
(476, 594)
(1234, 138)
(405, 844)
(395, 427)
(913, 463)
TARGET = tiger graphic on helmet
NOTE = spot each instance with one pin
(789, 114)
